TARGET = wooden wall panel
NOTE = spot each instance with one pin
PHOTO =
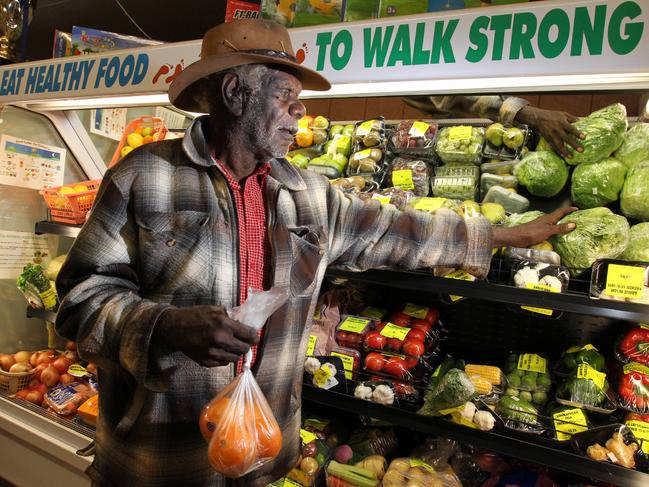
(319, 106)
(347, 108)
(578, 105)
(630, 100)
(391, 107)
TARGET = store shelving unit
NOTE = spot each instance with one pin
(55, 228)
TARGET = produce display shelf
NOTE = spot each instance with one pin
(41, 314)
(572, 301)
(55, 228)
(526, 447)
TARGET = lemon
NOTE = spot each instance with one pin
(66, 190)
(125, 150)
(80, 188)
(134, 140)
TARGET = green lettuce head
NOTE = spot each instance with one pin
(604, 131)
(638, 248)
(635, 146)
(597, 184)
(634, 199)
(519, 218)
(543, 173)
(599, 234)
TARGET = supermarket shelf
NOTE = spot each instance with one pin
(57, 228)
(524, 447)
(41, 314)
(571, 302)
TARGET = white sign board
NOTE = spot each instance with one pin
(17, 249)
(30, 164)
(109, 122)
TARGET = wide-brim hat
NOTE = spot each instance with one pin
(239, 42)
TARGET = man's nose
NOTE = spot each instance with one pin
(297, 109)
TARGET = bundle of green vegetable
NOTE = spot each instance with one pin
(575, 356)
(634, 199)
(453, 390)
(638, 248)
(635, 146)
(519, 218)
(597, 184)
(37, 288)
(522, 413)
(604, 131)
(599, 234)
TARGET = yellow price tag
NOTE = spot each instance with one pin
(461, 132)
(429, 204)
(569, 422)
(290, 483)
(416, 311)
(77, 370)
(455, 298)
(456, 409)
(640, 430)
(319, 424)
(460, 275)
(457, 418)
(532, 363)
(394, 331)
(624, 281)
(541, 287)
(353, 324)
(307, 437)
(541, 311)
(376, 313)
(585, 371)
(418, 129)
(402, 178)
(311, 346)
(362, 154)
(348, 363)
(383, 199)
(365, 127)
(644, 326)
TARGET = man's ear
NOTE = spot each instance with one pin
(232, 91)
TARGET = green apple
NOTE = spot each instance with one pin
(495, 133)
(300, 160)
(320, 122)
(513, 138)
(335, 130)
(494, 212)
(348, 129)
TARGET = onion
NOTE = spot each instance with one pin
(50, 376)
(92, 368)
(22, 356)
(61, 364)
(6, 361)
(66, 379)
(343, 454)
(20, 367)
(34, 396)
(70, 345)
(45, 357)
(33, 358)
(38, 370)
(71, 356)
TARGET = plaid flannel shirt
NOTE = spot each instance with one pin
(163, 233)
(497, 108)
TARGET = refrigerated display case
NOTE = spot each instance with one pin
(43, 445)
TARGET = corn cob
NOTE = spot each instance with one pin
(487, 372)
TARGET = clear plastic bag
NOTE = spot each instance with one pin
(410, 174)
(413, 137)
(242, 431)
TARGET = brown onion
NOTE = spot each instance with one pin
(20, 367)
(6, 361)
(50, 376)
(22, 356)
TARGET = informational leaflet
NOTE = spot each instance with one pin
(171, 119)
(108, 122)
(17, 249)
(29, 164)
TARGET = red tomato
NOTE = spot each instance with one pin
(342, 337)
(413, 348)
(380, 325)
(432, 316)
(416, 334)
(354, 340)
(374, 362)
(400, 319)
(422, 325)
(375, 340)
(411, 362)
(394, 344)
(396, 367)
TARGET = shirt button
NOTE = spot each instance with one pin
(171, 243)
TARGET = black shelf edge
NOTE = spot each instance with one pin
(524, 449)
(569, 302)
(57, 228)
(41, 314)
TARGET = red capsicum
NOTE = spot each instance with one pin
(634, 390)
(635, 345)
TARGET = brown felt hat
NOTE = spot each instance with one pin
(242, 41)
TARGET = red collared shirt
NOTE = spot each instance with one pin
(249, 199)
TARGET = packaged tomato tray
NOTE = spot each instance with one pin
(399, 366)
(351, 359)
(352, 330)
(406, 340)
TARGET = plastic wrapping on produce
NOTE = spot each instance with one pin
(518, 218)
(325, 372)
(505, 141)
(634, 198)
(432, 204)
(545, 256)
(543, 173)
(312, 132)
(577, 355)
(453, 390)
(488, 180)
(404, 471)
(394, 196)
(461, 143)
(413, 138)
(620, 280)
(355, 184)
(369, 162)
(398, 366)
(638, 248)
(539, 276)
(599, 234)
(316, 452)
(499, 167)
(604, 132)
(639, 425)
(351, 359)
(409, 174)
(365, 442)
(586, 388)
(456, 182)
(633, 388)
(614, 443)
(566, 421)
(510, 200)
(352, 330)
(635, 145)
(520, 414)
(633, 345)
(488, 380)
(65, 399)
(528, 377)
(597, 184)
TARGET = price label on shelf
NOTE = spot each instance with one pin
(354, 324)
(460, 275)
(348, 363)
(418, 129)
(383, 199)
(540, 311)
(429, 204)
(307, 437)
(402, 178)
(416, 311)
(461, 132)
(624, 281)
(640, 430)
(311, 346)
(540, 287)
(585, 371)
(394, 331)
(290, 483)
(569, 422)
(532, 363)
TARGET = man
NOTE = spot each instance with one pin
(181, 229)
(556, 127)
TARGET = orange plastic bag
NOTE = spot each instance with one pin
(242, 431)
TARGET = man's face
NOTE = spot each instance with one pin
(271, 113)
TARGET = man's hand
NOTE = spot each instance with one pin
(555, 127)
(535, 231)
(205, 334)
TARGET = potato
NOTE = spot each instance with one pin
(393, 478)
(401, 465)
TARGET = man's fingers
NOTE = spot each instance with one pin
(559, 213)
(213, 363)
(564, 228)
(557, 144)
(243, 332)
(236, 346)
(219, 355)
(571, 118)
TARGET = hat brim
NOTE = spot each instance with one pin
(182, 89)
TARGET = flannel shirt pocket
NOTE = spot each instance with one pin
(307, 249)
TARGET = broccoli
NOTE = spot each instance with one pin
(453, 390)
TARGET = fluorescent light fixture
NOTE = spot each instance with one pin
(101, 102)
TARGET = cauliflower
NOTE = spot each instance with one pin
(383, 395)
(468, 411)
(551, 281)
(363, 392)
(526, 276)
(311, 365)
(484, 420)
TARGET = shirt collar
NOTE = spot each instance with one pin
(196, 148)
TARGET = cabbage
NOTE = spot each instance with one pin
(599, 234)
(604, 131)
(634, 199)
(543, 173)
(519, 218)
(638, 248)
(635, 146)
(597, 184)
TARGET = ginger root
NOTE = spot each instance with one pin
(623, 452)
(597, 452)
